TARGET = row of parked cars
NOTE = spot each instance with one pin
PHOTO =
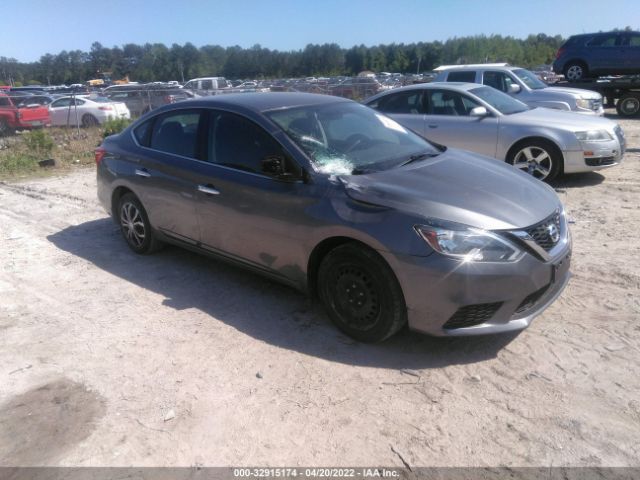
(33, 109)
(401, 211)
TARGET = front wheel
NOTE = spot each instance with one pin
(361, 294)
(135, 226)
(539, 158)
(89, 121)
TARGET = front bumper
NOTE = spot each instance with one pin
(439, 289)
(584, 111)
(594, 156)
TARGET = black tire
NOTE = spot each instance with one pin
(89, 121)
(575, 71)
(361, 294)
(5, 129)
(519, 158)
(135, 226)
(628, 105)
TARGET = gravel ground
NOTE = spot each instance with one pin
(110, 359)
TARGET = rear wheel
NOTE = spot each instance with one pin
(538, 158)
(135, 226)
(575, 71)
(361, 294)
(628, 105)
(89, 121)
(5, 129)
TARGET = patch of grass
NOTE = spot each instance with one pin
(38, 142)
(20, 153)
(113, 126)
(12, 164)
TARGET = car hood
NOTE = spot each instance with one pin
(550, 117)
(461, 187)
(576, 92)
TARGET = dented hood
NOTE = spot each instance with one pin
(461, 187)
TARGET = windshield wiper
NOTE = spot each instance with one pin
(419, 156)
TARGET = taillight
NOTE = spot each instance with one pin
(100, 153)
(105, 108)
(559, 52)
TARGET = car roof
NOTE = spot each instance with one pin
(262, 102)
(480, 66)
(598, 34)
(459, 86)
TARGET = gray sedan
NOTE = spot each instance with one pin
(540, 141)
(339, 201)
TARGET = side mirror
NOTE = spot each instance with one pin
(514, 88)
(276, 166)
(479, 112)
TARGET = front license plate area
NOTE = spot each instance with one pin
(559, 269)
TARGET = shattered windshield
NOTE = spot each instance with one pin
(348, 138)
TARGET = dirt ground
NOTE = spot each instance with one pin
(107, 358)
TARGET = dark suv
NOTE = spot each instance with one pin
(595, 54)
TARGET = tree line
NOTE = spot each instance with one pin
(157, 62)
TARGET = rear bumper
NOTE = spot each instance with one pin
(439, 290)
(27, 124)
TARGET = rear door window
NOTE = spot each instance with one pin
(465, 76)
(603, 41)
(176, 133)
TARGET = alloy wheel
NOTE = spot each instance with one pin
(535, 161)
(574, 72)
(132, 224)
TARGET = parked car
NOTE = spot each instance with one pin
(207, 84)
(85, 111)
(18, 116)
(34, 99)
(336, 199)
(525, 86)
(356, 87)
(539, 141)
(142, 98)
(597, 54)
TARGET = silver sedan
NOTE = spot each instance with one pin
(540, 141)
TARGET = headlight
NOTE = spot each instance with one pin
(594, 136)
(467, 243)
(585, 103)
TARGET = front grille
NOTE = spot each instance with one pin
(596, 104)
(598, 162)
(531, 300)
(472, 315)
(546, 233)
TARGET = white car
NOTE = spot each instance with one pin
(85, 111)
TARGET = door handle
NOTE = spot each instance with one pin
(208, 189)
(433, 126)
(142, 172)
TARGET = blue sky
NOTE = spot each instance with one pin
(37, 27)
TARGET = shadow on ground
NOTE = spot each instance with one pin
(261, 308)
(577, 180)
